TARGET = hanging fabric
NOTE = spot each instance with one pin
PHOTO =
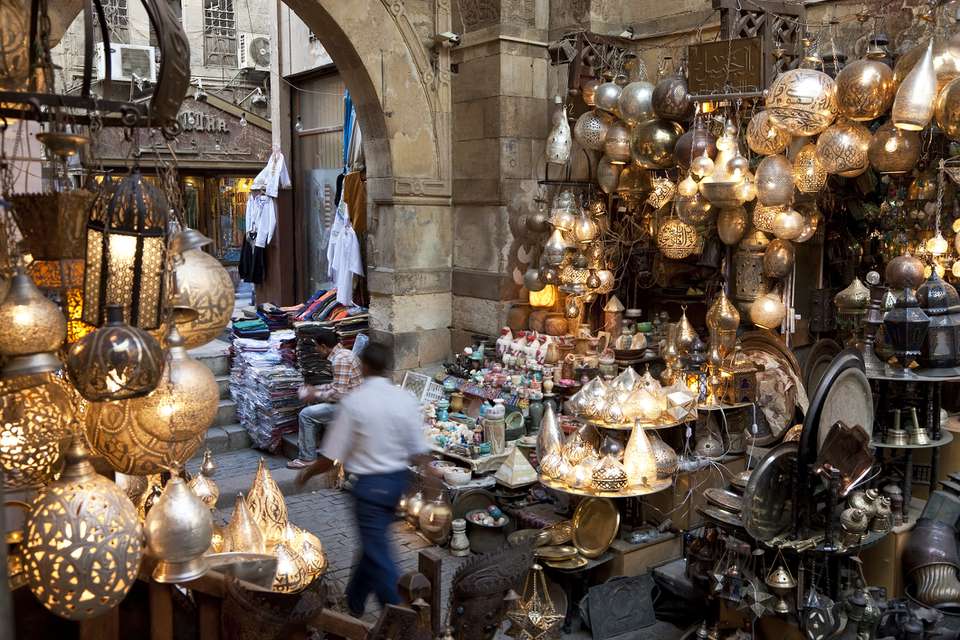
(274, 176)
(343, 255)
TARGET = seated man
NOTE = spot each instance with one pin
(346, 376)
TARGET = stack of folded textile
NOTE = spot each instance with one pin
(255, 329)
(275, 317)
(316, 369)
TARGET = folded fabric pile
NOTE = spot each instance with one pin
(275, 317)
(316, 368)
(287, 346)
(252, 329)
(265, 386)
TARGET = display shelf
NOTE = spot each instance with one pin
(483, 464)
(945, 438)
(627, 492)
(629, 426)
(898, 374)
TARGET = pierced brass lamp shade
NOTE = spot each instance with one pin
(914, 104)
(809, 174)
(945, 58)
(802, 102)
(616, 144)
(82, 547)
(677, 239)
(947, 109)
(732, 223)
(292, 575)
(865, 89)
(267, 506)
(768, 311)
(894, 150)
(842, 149)
(32, 328)
(206, 489)
(179, 529)
(204, 286)
(242, 532)
(764, 137)
(653, 141)
(116, 361)
(774, 180)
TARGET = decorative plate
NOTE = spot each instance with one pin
(595, 525)
(726, 500)
(555, 552)
(722, 516)
(849, 401)
(818, 361)
(768, 498)
(472, 500)
(576, 562)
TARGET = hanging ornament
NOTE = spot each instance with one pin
(914, 103)
(677, 239)
(608, 97)
(774, 180)
(585, 229)
(590, 130)
(608, 175)
(842, 148)
(693, 143)
(788, 224)
(947, 109)
(635, 102)
(809, 174)
(652, 143)
(555, 248)
(35, 416)
(671, 99)
(532, 281)
(204, 487)
(178, 531)
(33, 328)
(573, 307)
(768, 311)
(764, 137)
(549, 435)
(945, 56)
(865, 89)
(203, 285)
(663, 192)
(635, 183)
(116, 361)
(560, 140)
(802, 102)
(720, 186)
(702, 165)
(616, 145)
(731, 224)
(937, 245)
(893, 150)
(82, 543)
(267, 506)
(778, 259)
(746, 191)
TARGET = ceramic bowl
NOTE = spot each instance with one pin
(457, 476)
(439, 467)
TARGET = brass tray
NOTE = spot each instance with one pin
(722, 516)
(522, 537)
(626, 492)
(576, 562)
(555, 552)
(726, 500)
(560, 533)
(595, 525)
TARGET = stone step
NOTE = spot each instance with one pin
(289, 446)
(226, 413)
(223, 383)
(230, 437)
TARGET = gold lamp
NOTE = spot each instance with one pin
(33, 328)
(842, 148)
(764, 137)
(676, 239)
(865, 89)
(35, 416)
(913, 106)
(802, 102)
(82, 547)
(204, 487)
(638, 459)
(178, 531)
(204, 286)
(126, 253)
(242, 532)
(310, 548)
(267, 506)
(809, 174)
(893, 150)
(292, 575)
(768, 311)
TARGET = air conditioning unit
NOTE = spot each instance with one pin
(127, 60)
(253, 51)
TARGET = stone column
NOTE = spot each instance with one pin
(500, 123)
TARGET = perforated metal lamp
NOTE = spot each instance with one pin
(126, 253)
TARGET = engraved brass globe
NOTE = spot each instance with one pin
(693, 143)
(893, 150)
(764, 137)
(14, 45)
(778, 259)
(865, 89)
(588, 91)
(947, 109)
(732, 223)
(904, 271)
(204, 286)
(32, 328)
(608, 97)
(652, 143)
(616, 144)
(677, 239)
(590, 131)
(788, 224)
(636, 102)
(809, 174)
(842, 148)
(178, 531)
(671, 99)
(774, 181)
(802, 102)
(82, 546)
(767, 311)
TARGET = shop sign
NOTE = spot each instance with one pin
(725, 65)
(200, 121)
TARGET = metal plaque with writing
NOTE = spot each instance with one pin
(726, 66)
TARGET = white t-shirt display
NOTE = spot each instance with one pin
(343, 255)
(274, 176)
(261, 217)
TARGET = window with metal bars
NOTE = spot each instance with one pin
(118, 20)
(219, 33)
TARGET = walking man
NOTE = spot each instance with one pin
(376, 434)
(346, 376)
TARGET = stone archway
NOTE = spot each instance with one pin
(401, 89)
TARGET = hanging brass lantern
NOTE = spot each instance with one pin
(608, 175)
(809, 174)
(15, 48)
(677, 239)
(802, 102)
(763, 217)
(178, 531)
(774, 180)
(720, 187)
(722, 316)
(865, 89)
(608, 97)
(731, 224)
(947, 109)
(636, 102)
(788, 224)
(778, 259)
(671, 100)
(693, 143)
(33, 328)
(945, 60)
(35, 416)
(842, 148)
(242, 533)
(126, 254)
(652, 143)
(811, 220)
(894, 150)
(203, 485)
(694, 210)
(82, 547)
(205, 286)
(292, 575)
(591, 129)
(616, 144)
(663, 192)
(267, 506)
(635, 183)
(116, 361)
(768, 311)
(913, 107)
(764, 137)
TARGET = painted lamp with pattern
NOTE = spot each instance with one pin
(267, 506)
(82, 547)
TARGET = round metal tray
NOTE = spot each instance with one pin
(627, 492)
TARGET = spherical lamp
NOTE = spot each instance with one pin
(677, 239)
(802, 102)
(591, 129)
(893, 150)
(588, 91)
(809, 174)
(204, 286)
(688, 187)
(913, 106)
(768, 311)
(671, 100)
(731, 224)
(764, 137)
(652, 143)
(616, 145)
(694, 210)
(904, 271)
(865, 89)
(33, 328)
(774, 181)
(763, 217)
(788, 224)
(778, 259)
(178, 532)
(693, 143)
(82, 545)
(947, 109)
(842, 148)
(635, 102)
(608, 97)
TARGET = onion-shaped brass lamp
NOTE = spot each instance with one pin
(204, 286)
(126, 254)
(33, 328)
(179, 529)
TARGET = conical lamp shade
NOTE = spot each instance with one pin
(550, 436)
(267, 506)
(291, 575)
(914, 105)
(242, 532)
(206, 489)
(639, 460)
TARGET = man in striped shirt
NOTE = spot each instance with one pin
(346, 376)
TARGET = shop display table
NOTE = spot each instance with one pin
(902, 455)
(483, 464)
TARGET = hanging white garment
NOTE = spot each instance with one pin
(274, 176)
(343, 255)
(261, 218)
